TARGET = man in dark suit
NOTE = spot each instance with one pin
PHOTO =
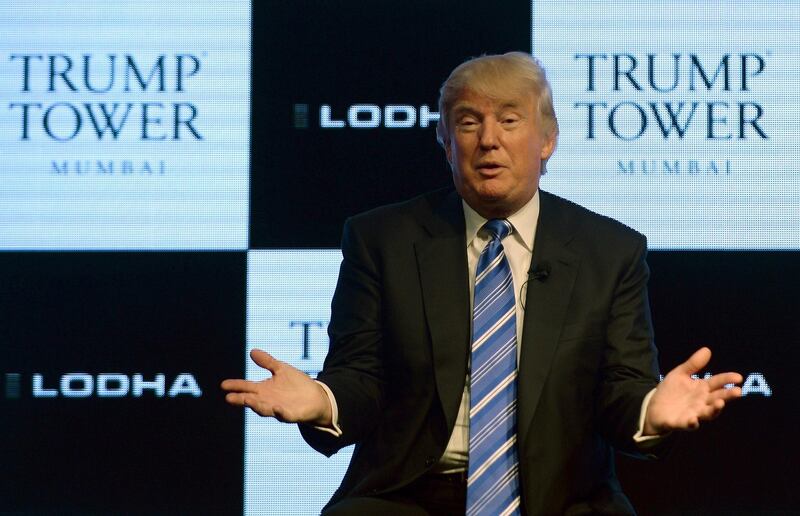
(396, 381)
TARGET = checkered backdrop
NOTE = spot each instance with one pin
(174, 179)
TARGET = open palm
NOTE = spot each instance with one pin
(289, 395)
(681, 402)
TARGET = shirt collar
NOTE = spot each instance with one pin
(523, 220)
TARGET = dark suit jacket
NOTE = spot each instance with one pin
(400, 338)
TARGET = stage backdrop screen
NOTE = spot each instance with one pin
(174, 177)
(124, 125)
(680, 119)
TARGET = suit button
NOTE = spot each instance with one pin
(430, 460)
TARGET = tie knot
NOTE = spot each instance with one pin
(498, 228)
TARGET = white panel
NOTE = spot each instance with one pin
(66, 183)
(725, 184)
(286, 289)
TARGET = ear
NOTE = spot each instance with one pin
(549, 147)
(448, 151)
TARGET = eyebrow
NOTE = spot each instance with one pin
(464, 107)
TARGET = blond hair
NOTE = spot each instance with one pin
(501, 77)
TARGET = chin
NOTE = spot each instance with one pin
(493, 198)
(492, 208)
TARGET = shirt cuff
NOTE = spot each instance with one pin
(334, 428)
(640, 439)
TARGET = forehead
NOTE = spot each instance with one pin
(471, 100)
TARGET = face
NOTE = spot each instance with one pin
(496, 149)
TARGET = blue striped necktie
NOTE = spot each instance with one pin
(493, 478)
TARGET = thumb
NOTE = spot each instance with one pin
(265, 360)
(696, 362)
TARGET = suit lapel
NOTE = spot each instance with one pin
(546, 304)
(442, 262)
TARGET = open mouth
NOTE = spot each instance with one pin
(489, 167)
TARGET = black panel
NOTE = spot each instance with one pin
(87, 314)
(306, 181)
(744, 307)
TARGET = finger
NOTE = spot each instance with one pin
(265, 360)
(235, 398)
(238, 386)
(696, 362)
(733, 393)
(713, 410)
(249, 401)
(725, 394)
(719, 381)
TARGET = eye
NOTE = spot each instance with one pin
(467, 123)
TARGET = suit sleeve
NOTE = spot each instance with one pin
(630, 365)
(353, 368)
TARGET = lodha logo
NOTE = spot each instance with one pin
(368, 116)
(104, 385)
(755, 384)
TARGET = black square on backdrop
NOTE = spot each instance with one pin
(744, 306)
(306, 179)
(82, 433)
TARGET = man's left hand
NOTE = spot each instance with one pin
(681, 402)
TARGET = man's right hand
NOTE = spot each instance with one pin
(289, 395)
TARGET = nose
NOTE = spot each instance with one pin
(489, 134)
